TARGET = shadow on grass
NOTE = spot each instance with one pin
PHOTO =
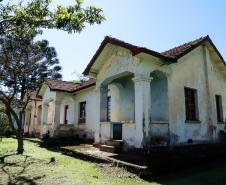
(18, 177)
(190, 172)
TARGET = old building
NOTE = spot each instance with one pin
(64, 107)
(141, 96)
(175, 96)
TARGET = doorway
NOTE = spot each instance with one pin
(117, 131)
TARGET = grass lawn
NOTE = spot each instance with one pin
(34, 167)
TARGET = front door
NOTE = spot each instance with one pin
(117, 131)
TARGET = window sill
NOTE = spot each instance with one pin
(80, 123)
(193, 121)
(220, 122)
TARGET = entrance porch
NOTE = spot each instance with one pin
(134, 110)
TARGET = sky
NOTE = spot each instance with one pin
(155, 24)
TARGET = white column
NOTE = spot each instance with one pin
(142, 108)
(55, 116)
(97, 116)
(32, 117)
(103, 102)
(43, 118)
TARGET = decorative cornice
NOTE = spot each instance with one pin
(142, 79)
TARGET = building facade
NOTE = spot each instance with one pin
(142, 97)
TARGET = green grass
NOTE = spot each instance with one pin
(33, 168)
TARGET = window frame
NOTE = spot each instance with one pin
(219, 108)
(82, 118)
(66, 107)
(188, 113)
(109, 108)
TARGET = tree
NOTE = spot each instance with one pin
(24, 63)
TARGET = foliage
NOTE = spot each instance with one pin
(23, 62)
(36, 14)
(4, 125)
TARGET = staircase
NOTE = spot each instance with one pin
(112, 146)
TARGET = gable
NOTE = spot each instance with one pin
(112, 42)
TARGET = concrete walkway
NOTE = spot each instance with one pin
(88, 151)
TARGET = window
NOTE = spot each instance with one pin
(82, 113)
(109, 108)
(191, 105)
(66, 114)
(219, 108)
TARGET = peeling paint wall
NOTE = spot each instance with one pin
(159, 97)
(122, 93)
(190, 72)
(32, 118)
(89, 96)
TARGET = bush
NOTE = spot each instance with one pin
(5, 129)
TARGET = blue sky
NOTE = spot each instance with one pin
(155, 24)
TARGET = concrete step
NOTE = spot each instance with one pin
(115, 143)
(107, 148)
(96, 145)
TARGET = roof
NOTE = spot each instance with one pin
(65, 86)
(134, 49)
(86, 84)
(171, 55)
(60, 85)
(181, 50)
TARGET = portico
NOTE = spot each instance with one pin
(126, 80)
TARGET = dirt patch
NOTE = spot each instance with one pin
(111, 170)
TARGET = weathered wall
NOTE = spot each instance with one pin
(190, 72)
(66, 99)
(159, 97)
(217, 85)
(87, 95)
(122, 93)
(32, 121)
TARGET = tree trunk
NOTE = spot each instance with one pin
(20, 142)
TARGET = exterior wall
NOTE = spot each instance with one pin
(64, 99)
(217, 85)
(159, 97)
(190, 72)
(47, 112)
(122, 93)
(87, 129)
